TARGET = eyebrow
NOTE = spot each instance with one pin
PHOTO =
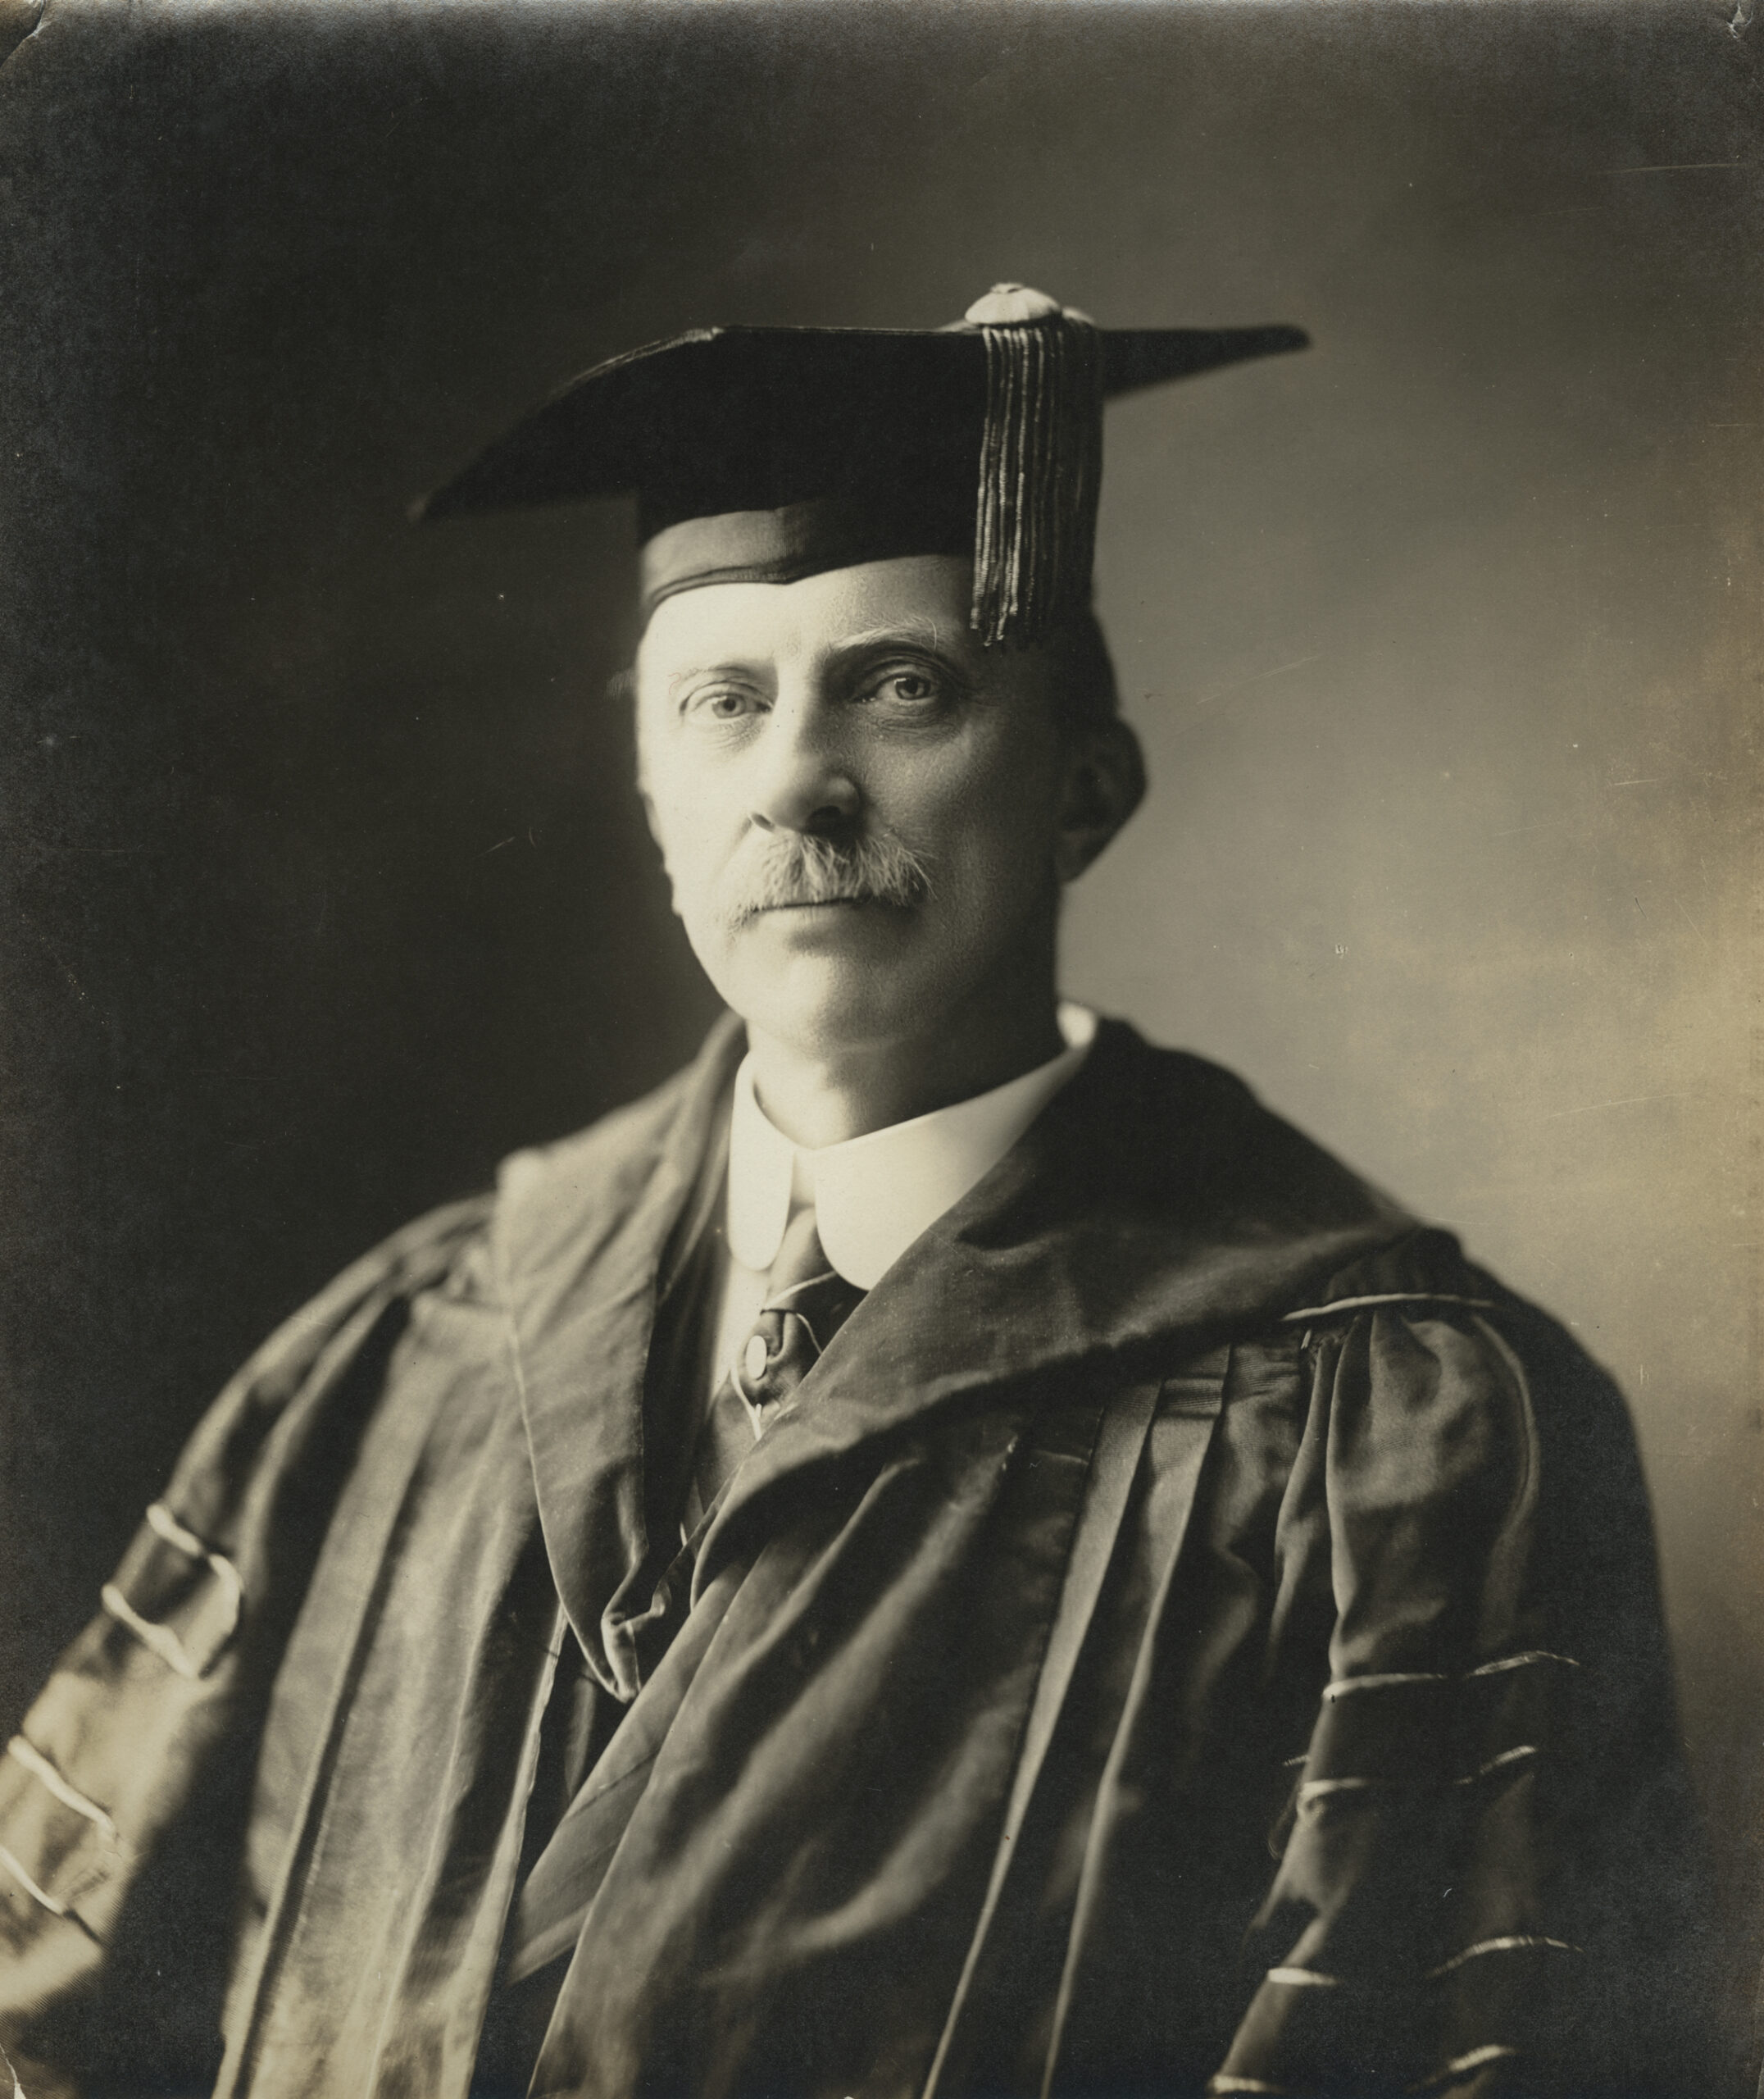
(913, 631)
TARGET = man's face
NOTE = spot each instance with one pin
(865, 814)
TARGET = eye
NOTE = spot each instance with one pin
(721, 702)
(909, 686)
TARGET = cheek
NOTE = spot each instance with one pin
(682, 814)
(1000, 824)
(691, 864)
(683, 840)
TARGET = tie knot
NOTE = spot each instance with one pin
(807, 1303)
(801, 1257)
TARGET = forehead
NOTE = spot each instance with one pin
(923, 598)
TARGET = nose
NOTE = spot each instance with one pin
(805, 781)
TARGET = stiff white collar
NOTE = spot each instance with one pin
(874, 1195)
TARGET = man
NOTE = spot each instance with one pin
(946, 1551)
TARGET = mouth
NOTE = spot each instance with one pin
(806, 911)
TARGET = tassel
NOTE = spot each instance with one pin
(1040, 467)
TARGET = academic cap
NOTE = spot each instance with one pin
(765, 454)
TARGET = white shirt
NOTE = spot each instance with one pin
(873, 1195)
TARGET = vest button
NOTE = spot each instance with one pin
(754, 1362)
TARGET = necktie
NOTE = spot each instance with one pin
(807, 1303)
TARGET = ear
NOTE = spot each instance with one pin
(1105, 783)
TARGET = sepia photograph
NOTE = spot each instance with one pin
(881, 1167)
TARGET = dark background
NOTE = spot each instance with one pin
(324, 884)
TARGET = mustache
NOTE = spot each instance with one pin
(778, 870)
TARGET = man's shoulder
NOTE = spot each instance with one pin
(589, 1182)
(622, 1147)
(1170, 1124)
(1226, 1186)
(1263, 1188)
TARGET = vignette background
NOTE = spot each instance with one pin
(324, 883)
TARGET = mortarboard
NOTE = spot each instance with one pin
(765, 454)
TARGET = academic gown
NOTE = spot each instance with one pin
(1189, 1624)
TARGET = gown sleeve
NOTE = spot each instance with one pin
(1489, 1881)
(124, 1741)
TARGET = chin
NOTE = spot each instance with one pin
(822, 1004)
